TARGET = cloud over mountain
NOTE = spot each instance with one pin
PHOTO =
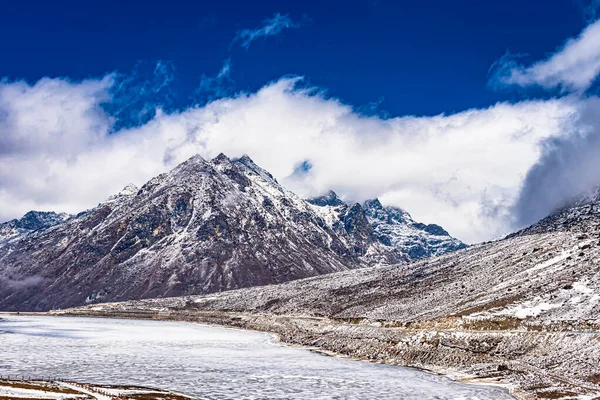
(481, 172)
(463, 171)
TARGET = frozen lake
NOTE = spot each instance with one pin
(206, 362)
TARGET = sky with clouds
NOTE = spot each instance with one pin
(67, 143)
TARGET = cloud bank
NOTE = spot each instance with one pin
(463, 171)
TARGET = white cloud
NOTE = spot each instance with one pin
(568, 167)
(574, 67)
(463, 171)
(270, 27)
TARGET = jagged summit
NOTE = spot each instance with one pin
(245, 159)
(376, 210)
(397, 228)
(247, 162)
(128, 191)
(390, 226)
(193, 165)
(328, 199)
(373, 203)
(196, 158)
(221, 158)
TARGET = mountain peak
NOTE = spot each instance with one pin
(373, 203)
(193, 165)
(197, 158)
(580, 213)
(221, 158)
(246, 160)
(329, 199)
(129, 189)
(191, 162)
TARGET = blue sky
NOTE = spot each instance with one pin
(480, 116)
(416, 58)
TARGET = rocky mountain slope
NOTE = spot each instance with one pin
(206, 226)
(523, 311)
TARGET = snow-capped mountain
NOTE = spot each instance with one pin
(30, 222)
(395, 227)
(384, 227)
(206, 226)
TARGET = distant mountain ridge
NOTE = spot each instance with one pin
(205, 226)
(31, 222)
(391, 226)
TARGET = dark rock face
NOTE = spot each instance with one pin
(206, 226)
(35, 220)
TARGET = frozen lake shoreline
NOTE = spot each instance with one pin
(206, 362)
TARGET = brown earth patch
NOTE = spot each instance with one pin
(595, 378)
(555, 394)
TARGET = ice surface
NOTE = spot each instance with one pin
(206, 362)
